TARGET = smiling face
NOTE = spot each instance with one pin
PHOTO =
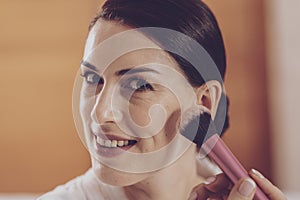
(129, 104)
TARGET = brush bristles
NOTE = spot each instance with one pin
(197, 125)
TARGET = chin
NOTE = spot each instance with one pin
(117, 178)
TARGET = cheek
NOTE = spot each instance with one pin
(86, 105)
(151, 111)
(161, 111)
(172, 123)
(173, 117)
(139, 113)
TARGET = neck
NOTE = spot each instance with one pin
(171, 183)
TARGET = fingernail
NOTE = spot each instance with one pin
(193, 196)
(257, 173)
(247, 187)
(210, 179)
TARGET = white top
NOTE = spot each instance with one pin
(89, 187)
(85, 187)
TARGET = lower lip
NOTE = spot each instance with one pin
(111, 151)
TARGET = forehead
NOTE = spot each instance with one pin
(101, 31)
(110, 43)
(116, 34)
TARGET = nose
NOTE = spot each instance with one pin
(104, 111)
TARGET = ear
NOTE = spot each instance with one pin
(209, 95)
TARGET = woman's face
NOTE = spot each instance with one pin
(128, 103)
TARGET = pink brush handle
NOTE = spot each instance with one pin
(223, 157)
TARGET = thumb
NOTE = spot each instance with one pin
(243, 190)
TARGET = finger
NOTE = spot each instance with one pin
(269, 189)
(218, 183)
(243, 190)
(215, 187)
(199, 192)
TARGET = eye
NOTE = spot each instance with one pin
(139, 84)
(92, 78)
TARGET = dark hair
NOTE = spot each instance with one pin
(190, 17)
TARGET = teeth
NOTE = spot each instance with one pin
(107, 143)
(100, 141)
(112, 143)
(120, 143)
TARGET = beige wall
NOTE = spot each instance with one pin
(242, 23)
(41, 43)
(284, 74)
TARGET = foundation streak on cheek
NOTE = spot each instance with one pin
(164, 137)
(172, 124)
(140, 103)
(139, 111)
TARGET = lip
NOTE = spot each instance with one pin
(105, 132)
(109, 132)
(110, 151)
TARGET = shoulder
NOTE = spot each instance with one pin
(76, 188)
(85, 187)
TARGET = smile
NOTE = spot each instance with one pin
(114, 143)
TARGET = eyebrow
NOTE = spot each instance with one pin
(88, 65)
(134, 71)
(123, 71)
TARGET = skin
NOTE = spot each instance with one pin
(97, 108)
(219, 187)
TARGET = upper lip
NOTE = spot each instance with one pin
(106, 132)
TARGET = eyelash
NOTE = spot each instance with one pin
(96, 79)
(141, 84)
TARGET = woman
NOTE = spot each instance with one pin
(145, 78)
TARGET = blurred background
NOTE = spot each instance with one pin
(41, 44)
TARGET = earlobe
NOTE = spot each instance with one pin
(209, 95)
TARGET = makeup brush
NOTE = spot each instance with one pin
(198, 127)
